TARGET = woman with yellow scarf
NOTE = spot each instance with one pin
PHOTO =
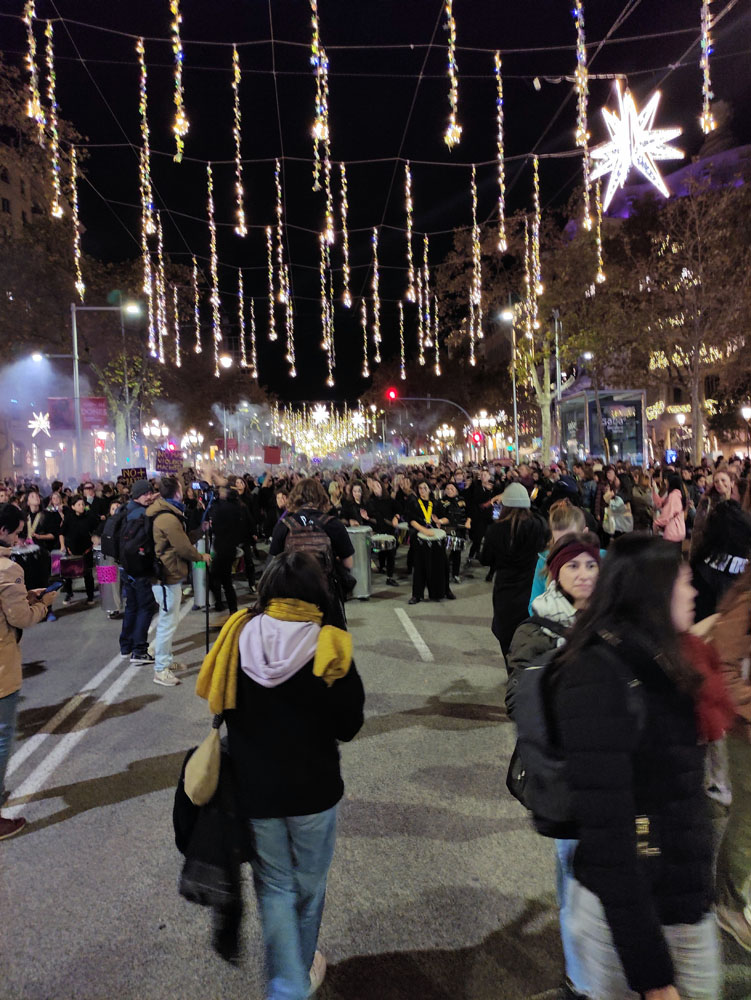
(297, 695)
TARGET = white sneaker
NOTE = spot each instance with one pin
(165, 678)
(317, 972)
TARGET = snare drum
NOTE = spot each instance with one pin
(382, 543)
(402, 529)
(438, 537)
(455, 544)
(35, 563)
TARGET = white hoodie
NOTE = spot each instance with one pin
(272, 651)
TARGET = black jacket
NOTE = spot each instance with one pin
(644, 831)
(283, 742)
(382, 510)
(230, 523)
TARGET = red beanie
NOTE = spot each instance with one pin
(568, 552)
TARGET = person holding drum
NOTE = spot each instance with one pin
(431, 565)
(453, 517)
(384, 518)
(76, 541)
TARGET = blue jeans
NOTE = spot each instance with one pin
(139, 610)
(292, 859)
(564, 876)
(694, 948)
(168, 597)
(8, 706)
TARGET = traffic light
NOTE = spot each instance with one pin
(477, 437)
(391, 395)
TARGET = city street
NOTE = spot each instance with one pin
(439, 888)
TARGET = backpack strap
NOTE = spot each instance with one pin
(549, 624)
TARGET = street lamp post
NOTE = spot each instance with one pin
(746, 414)
(509, 316)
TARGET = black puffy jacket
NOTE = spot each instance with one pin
(644, 830)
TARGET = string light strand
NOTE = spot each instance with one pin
(279, 232)
(290, 318)
(364, 326)
(376, 300)
(80, 286)
(454, 130)
(707, 120)
(57, 207)
(161, 292)
(196, 307)
(409, 208)
(402, 361)
(34, 107)
(502, 238)
(253, 351)
(536, 262)
(346, 294)
(241, 226)
(216, 319)
(600, 276)
(181, 124)
(437, 366)
(176, 314)
(241, 318)
(147, 195)
(581, 84)
(270, 263)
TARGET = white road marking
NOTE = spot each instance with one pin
(419, 643)
(43, 770)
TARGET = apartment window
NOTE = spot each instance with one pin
(4, 175)
(5, 205)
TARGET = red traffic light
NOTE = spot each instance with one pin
(391, 394)
(477, 437)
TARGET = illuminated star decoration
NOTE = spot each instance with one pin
(40, 423)
(633, 142)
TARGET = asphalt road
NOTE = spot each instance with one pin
(439, 887)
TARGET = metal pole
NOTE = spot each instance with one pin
(557, 322)
(76, 388)
(127, 387)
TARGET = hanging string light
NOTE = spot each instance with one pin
(420, 322)
(472, 358)
(181, 125)
(427, 338)
(454, 130)
(346, 295)
(330, 281)
(376, 300)
(241, 227)
(196, 307)
(582, 97)
(270, 262)
(253, 354)
(241, 318)
(320, 63)
(57, 208)
(279, 232)
(176, 314)
(148, 288)
(410, 293)
(476, 288)
(536, 263)
(364, 326)
(161, 292)
(80, 287)
(329, 225)
(708, 123)
(34, 107)
(600, 276)
(290, 318)
(502, 239)
(147, 196)
(327, 322)
(437, 366)
(531, 305)
(402, 361)
(216, 319)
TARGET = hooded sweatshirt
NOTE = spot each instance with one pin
(283, 736)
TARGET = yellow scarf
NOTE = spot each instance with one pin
(217, 678)
(427, 514)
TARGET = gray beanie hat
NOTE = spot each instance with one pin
(515, 495)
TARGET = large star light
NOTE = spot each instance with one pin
(40, 422)
(633, 143)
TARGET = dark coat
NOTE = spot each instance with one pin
(645, 847)
(513, 560)
(283, 742)
(230, 523)
(529, 645)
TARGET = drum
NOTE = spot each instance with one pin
(56, 555)
(382, 543)
(402, 529)
(360, 538)
(455, 544)
(108, 580)
(439, 536)
(35, 562)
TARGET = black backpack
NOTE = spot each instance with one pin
(310, 536)
(110, 538)
(137, 552)
(537, 770)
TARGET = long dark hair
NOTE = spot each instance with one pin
(516, 516)
(674, 482)
(632, 599)
(293, 574)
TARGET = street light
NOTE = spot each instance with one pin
(225, 361)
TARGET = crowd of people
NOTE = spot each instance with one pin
(627, 590)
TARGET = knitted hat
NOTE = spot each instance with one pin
(515, 495)
(568, 548)
(141, 488)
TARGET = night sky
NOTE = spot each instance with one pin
(384, 103)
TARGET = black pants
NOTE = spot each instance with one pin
(220, 578)
(250, 568)
(431, 568)
(387, 559)
(88, 582)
